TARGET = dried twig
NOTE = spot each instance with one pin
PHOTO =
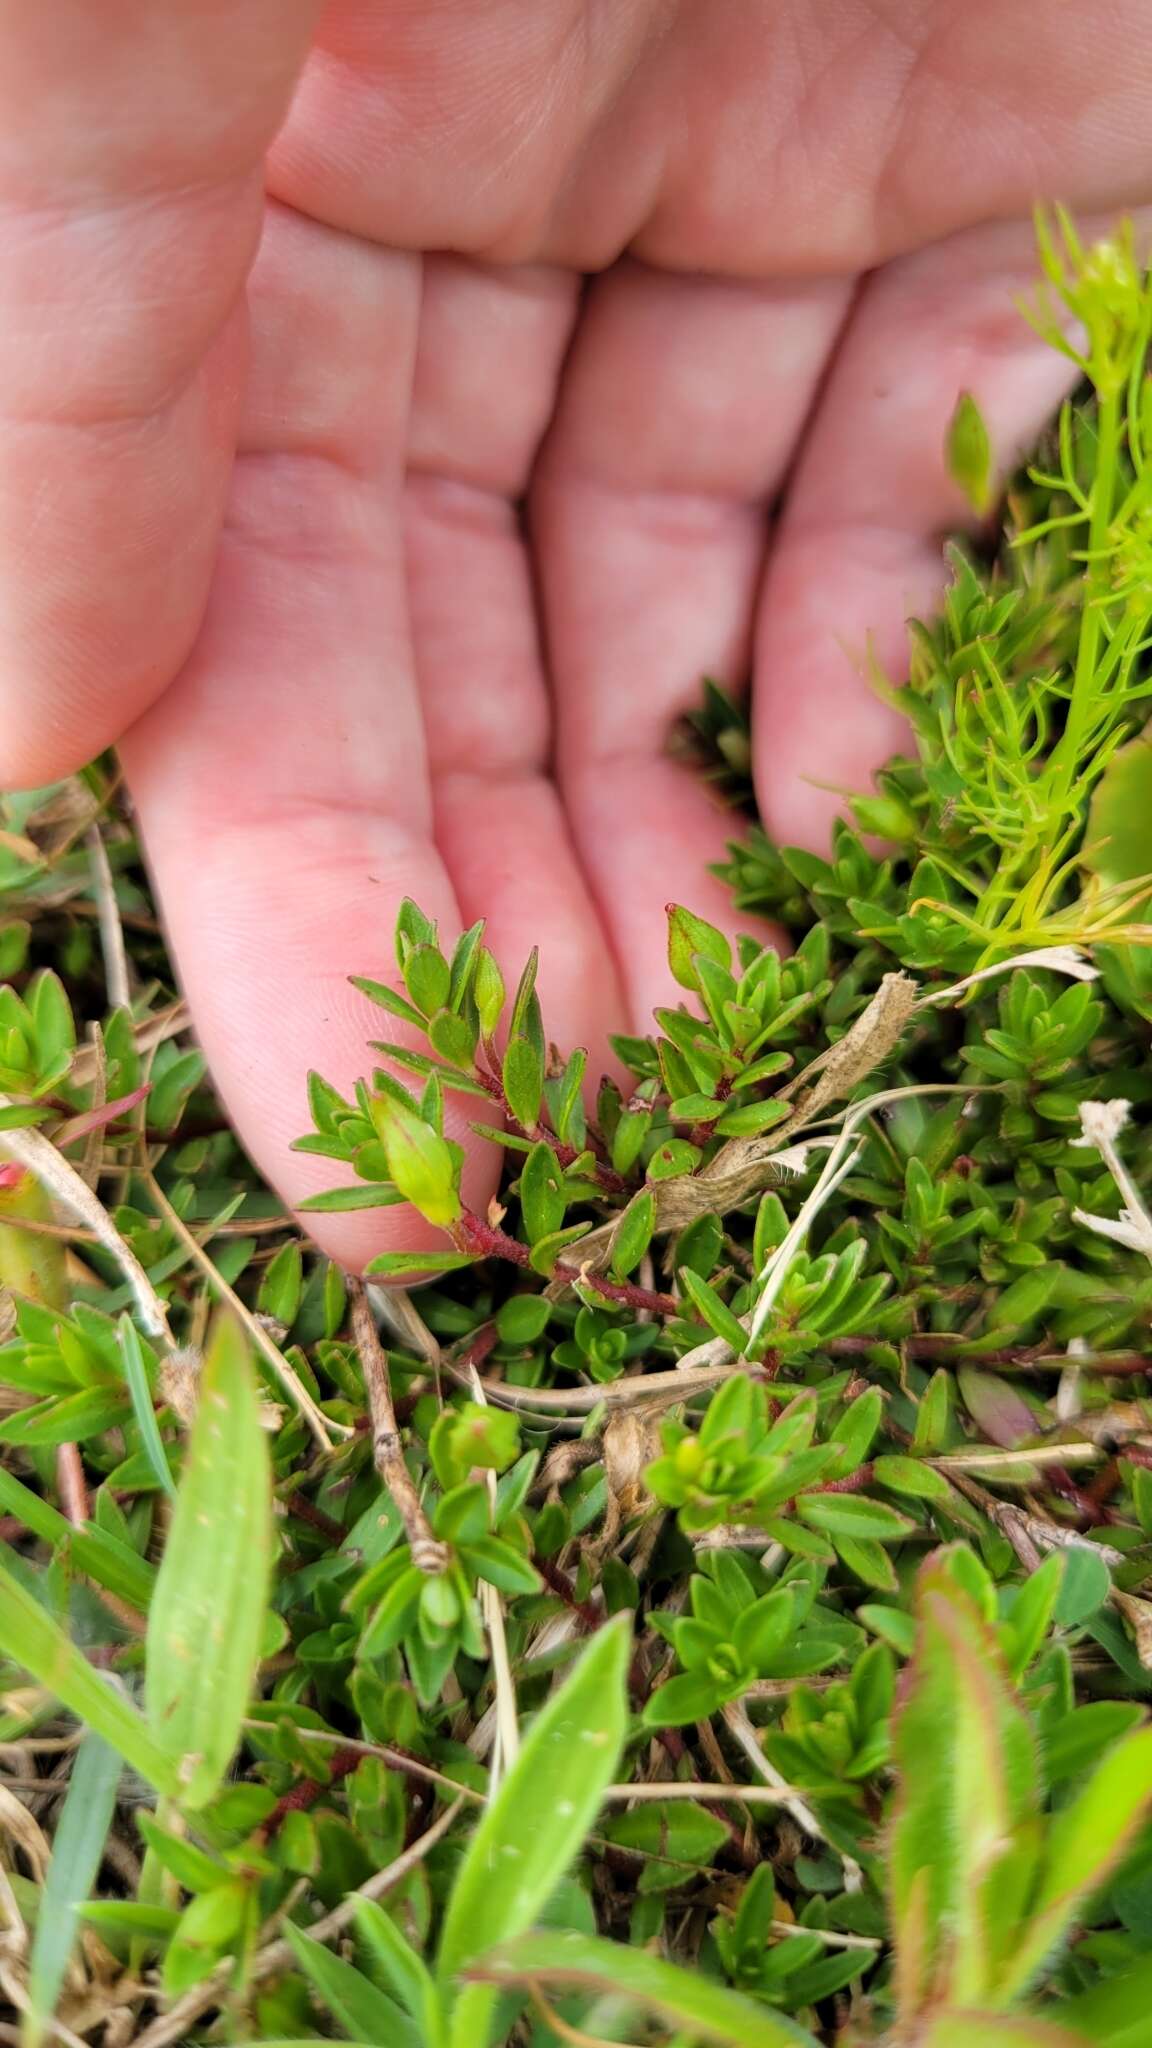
(741, 1728)
(428, 1553)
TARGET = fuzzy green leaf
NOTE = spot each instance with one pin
(962, 1847)
(970, 2029)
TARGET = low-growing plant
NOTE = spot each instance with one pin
(715, 1606)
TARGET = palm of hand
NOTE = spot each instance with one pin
(349, 665)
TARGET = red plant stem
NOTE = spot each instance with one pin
(606, 1177)
(941, 1346)
(477, 1236)
(341, 1764)
(306, 1510)
(558, 1582)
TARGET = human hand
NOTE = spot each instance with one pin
(286, 568)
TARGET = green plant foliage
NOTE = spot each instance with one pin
(716, 1604)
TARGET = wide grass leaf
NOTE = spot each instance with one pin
(963, 1843)
(77, 1850)
(207, 1616)
(704, 2010)
(535, 1825)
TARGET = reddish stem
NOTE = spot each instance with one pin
(477, 1236)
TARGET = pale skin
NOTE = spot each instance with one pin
(390, 571)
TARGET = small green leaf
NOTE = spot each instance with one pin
(1084, 1587)
(687, 936)
(401, 1265)
(969, 2029)
(488, 992)
(533, 1828)
(685, 1999)
(407, 1976)
(424, 1166)
(427, 978)
(523, 1076)
(911, 1477)
(968, 453)
(716, 1313)
(207, 1615)
(633, 1234)
(283, 1285)
(852, 1514)
(377, 1194)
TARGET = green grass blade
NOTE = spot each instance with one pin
(207, 1615)
(355, 2002)
(536, 1823)
(136, 1374)
(81, 1832)
(706, 2011)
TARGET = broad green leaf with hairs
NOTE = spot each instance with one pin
(358, 2004)
(207, 1616)
(77, 1850)
(1086, 1841)
(534, 1826)
(706, 2011)
(964, 1835)
(31, 1638)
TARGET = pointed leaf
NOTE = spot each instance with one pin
(77, 1850)
(359, 2006)
(1086, 1840)
(207, 1615)
(536, 1823)
(964, 1753)
(704, 2010)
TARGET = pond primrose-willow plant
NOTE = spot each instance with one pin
(716, 1607)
